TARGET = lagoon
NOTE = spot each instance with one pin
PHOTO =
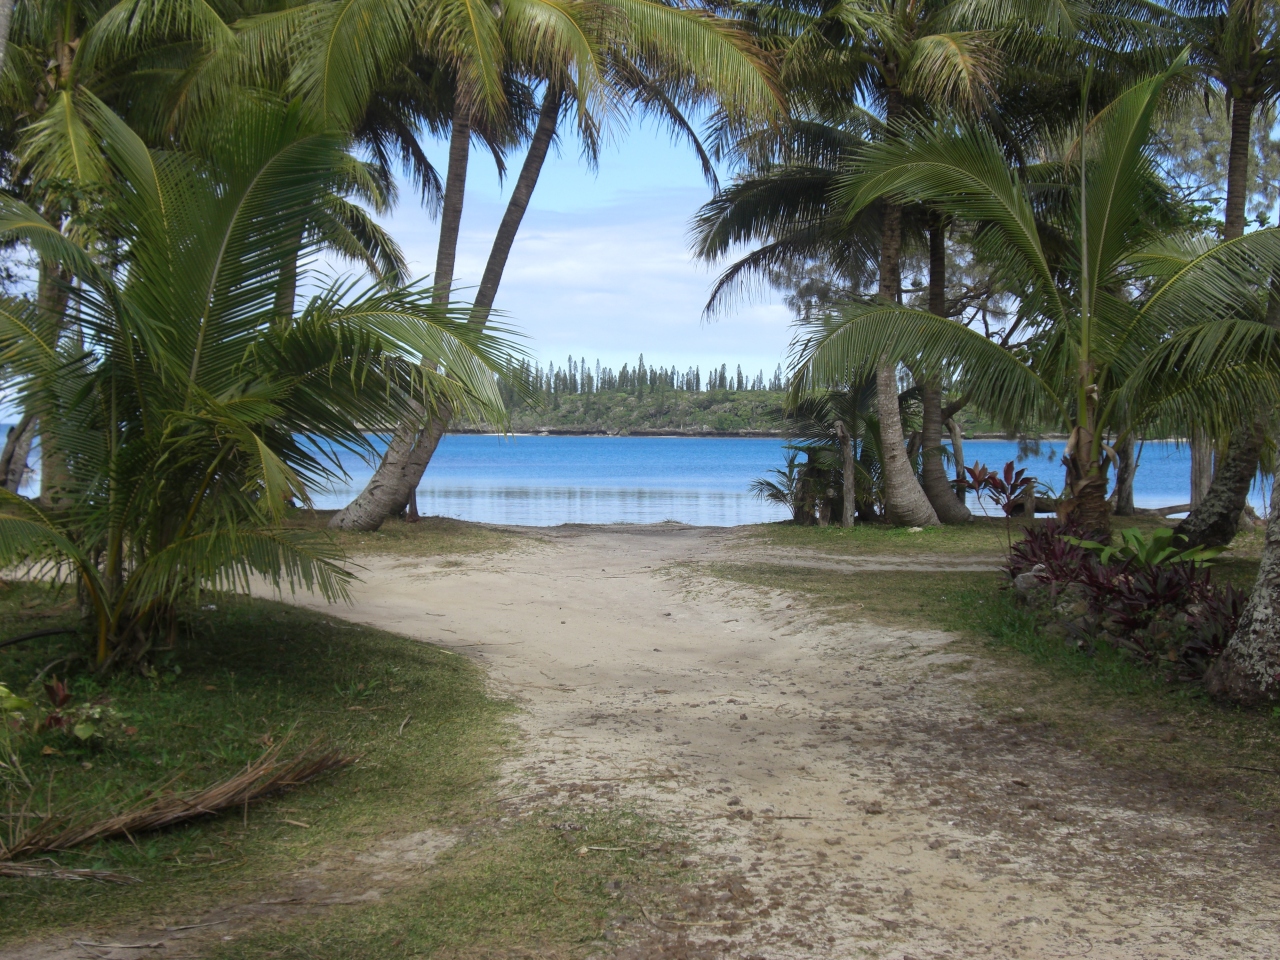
(550, 480)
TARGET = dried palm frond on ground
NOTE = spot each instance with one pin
(265, 776)
(55, 872)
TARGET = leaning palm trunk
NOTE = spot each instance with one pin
(1215, 515)
(1249, 669)
(904, 502)
(396, 480)
(933, 473)
(1215, 520)
(17, 448)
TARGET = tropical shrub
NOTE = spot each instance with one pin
(1142, 602)
(188, 406)
(1188, 341)
(1160, 547)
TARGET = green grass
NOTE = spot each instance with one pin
(985, 536)
(250, 672)
(521, 890)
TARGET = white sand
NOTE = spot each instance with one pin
(636, 674)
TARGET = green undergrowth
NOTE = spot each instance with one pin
(1117, 709)
(250, 674)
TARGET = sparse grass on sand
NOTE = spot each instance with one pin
(1121, 712)
(429, 740)
(429, 537)
(985, 536)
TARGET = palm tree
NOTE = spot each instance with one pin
(1235, 44)
(899, 58)
(1126, 328)
(67, 55)
(191, 409)
(590, 54)
(787, 206)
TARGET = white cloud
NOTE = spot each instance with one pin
(608, 282)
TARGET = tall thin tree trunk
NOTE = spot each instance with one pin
(933, 474)
(455, 188)
(51, 297)
(1201, 465)
(1249, 668)
(543, 136)
(1123, 493)
(1238, 167)
(402, 479)
(848, 472)
(904, 502)
(287, 285)
(1228, 489)
(957, 448)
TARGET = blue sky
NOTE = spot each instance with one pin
(601, 267)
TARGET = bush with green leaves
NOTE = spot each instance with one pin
(1161, 547)
(182, 406)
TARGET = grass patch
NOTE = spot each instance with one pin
(519, 890)
(985, 536)
(1120, 711)
(250, 672)
(921, 599)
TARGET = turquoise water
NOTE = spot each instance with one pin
(544, 481)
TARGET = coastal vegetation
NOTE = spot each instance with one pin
(980, 214)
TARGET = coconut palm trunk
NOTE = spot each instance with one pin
(848, 470)
(933, 474)
(1123, 493)
(1201, 465)
(394, 484)
(17, 447)
(395, 481)
(904, 502)
(1249, 669)
(1215, 516)
(51, 295)
(6, 15)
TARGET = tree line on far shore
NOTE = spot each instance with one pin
(577, 376)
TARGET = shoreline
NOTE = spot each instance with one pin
(721, 434)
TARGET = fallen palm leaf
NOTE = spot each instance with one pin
(263, 777)
(35, 871)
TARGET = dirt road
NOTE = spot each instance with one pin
(847, 795)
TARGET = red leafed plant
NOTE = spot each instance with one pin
(1004, 489)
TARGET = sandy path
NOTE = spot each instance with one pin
(930, 830)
